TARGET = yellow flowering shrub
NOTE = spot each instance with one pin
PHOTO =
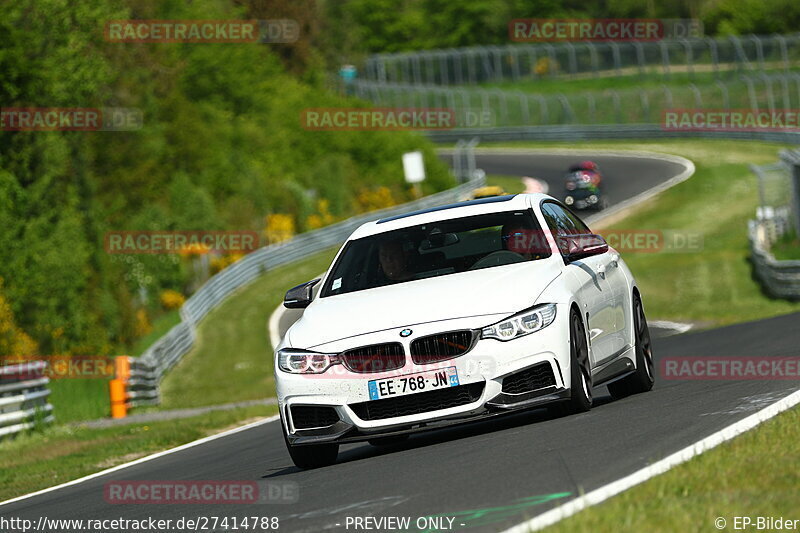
(374, 198)
(279, 228)
(169, 300)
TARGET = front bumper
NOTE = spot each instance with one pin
(482, 372)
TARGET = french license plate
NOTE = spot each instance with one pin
(413, 383)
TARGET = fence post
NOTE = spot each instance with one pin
(712, 49)
(470, 153)
(457, 159)
(792, 159)
(119, 401)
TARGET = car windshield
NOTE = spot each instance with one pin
(436, 249)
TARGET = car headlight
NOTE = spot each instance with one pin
(521, 324)
(593, 199)
(297, 361)
(569, 200)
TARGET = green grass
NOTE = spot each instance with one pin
(161, 326)
(714, 286)
(652, 79)
(76, 399)
(753, 475)
(58, 454)
(232, 358)
(787, 248)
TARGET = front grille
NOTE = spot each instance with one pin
(421, 402)
(533, 378)
(375, 358)
(441, 346)
(312, 416)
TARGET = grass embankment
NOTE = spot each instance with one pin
(753, 475)
(58, 454)
(629, 80)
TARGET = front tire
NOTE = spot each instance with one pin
(580, 399)
(311, 455)
(643, 377)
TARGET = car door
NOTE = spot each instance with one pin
(594, 293)
(620, 302)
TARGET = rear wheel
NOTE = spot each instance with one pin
(580, 399)
(643, 378)
(311, 455)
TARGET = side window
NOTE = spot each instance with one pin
(561, 221)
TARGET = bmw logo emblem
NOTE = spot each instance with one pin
(406, 332)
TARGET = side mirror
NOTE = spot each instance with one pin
(576, 247)
(299, 297)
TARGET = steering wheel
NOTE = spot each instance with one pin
(500, 257)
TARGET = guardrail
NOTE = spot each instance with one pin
(779, 278)
(588, 132)
(147, 370)
(23, 397)
(779, 214)
(515, 62)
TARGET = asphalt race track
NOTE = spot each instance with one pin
(487, 475)
(623, 176)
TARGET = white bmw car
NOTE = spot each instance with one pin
(455, 313)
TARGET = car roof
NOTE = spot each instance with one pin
(481, 206)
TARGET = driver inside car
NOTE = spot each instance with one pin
(528, 243)
(394, 261)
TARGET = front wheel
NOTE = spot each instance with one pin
(311, 455)
(580, 399)
(643, 377)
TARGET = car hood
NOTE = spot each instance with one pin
(497, 290)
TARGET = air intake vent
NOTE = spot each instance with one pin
(375, 358)
(441, 346)
(536, 377)
(422, 402)
(312, 416)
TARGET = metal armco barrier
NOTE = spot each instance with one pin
(585, 132)
(147, 371)
(24, 397)
(779, 214)
(779, 278)
(135, 383)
